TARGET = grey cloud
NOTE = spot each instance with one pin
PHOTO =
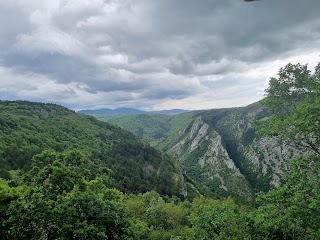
(14, 21)
(163, 93)
(70, 69)
(153, 50)
(235, 27)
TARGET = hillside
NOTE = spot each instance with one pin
(29, 128)
(218, 148)
(112, 112)
(106, 112)
(262, 160)
(155, 128)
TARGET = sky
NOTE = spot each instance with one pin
(151, 54)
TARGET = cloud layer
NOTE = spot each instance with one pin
(151, 54)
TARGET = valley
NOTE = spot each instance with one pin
(235, 173)
(218, 148)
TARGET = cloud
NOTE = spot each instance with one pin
(151, 54)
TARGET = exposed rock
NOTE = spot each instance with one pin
(198, 131)
(220, 149)
(202, 148)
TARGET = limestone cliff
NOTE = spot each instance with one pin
(202, 151)
(220, 149)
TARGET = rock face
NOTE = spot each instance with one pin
(221, 151)
(201, 149)
(262, 160)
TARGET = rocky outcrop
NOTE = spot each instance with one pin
(220, 149)
(265, 158)
(202, 151)
(269, 156)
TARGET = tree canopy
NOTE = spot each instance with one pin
(294, 100)
(292, 210)
(58, 201)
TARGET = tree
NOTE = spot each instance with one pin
(7, 195)
(294, 100)
(293, 210)
(218, 219)
(58, 202)
(151, 217)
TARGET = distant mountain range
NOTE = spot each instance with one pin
(129, 111)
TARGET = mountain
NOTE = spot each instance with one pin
(170, 111)
(110, 112)
(106, 112)
(218, 148)
(262, 160)
(28, 128)
(156, 128)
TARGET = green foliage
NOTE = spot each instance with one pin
(151, 127)
(26, 129)
(213, 219)
(292, 211)
(153, 218)
(158, 129)
(294, 99)
(177, 127)
(58, 202)
(7, 195)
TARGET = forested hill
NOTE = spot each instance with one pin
(219, 148)
(28, 128)
(106, 112)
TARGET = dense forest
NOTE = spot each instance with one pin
(69, 176)
(28, 129)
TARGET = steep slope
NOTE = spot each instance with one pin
(202, 151)
(157, 129)
(220, 149)
(28, 128)
(197, 145)
(262, 160)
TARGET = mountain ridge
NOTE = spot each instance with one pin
(258, 163)
(28, 128)
(129, 111)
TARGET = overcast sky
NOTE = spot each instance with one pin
(151, 54)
